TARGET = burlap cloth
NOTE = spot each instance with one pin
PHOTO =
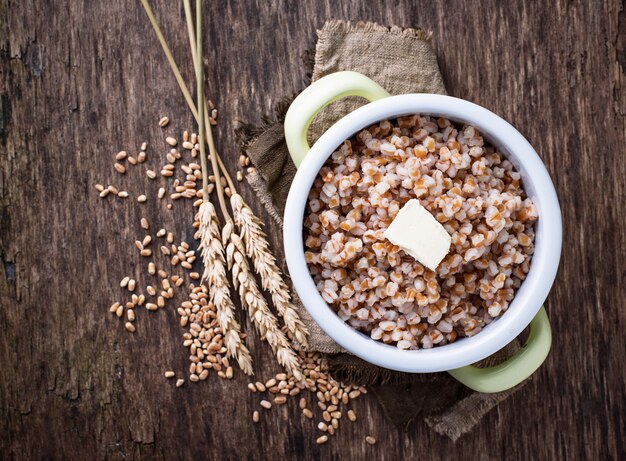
(401, 61)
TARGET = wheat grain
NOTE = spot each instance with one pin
(322, 439)
(214, 275)
(257, 249)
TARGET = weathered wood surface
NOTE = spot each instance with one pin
(81, 80)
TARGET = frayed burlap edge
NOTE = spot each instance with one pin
(259, 185)
(338, 26)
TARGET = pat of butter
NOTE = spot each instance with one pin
(419, 234)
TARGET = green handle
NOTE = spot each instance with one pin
(516, 369)
(317, 96)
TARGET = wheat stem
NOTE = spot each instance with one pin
(188, 98)
(200, 95)
(191, 32)
(202, 112)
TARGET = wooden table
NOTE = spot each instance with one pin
(83, 80)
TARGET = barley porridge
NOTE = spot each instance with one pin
(471, 189)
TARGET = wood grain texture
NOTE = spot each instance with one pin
(81, 80)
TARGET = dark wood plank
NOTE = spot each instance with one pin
(81, 80)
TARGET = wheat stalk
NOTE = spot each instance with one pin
(257, 249)
(215, 277)
(252, 299)
(213, 248)
(209, 231)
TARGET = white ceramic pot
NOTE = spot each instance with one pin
(525, 309)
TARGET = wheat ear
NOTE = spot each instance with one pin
(214, 276)
(257, 249)
(252, 299)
